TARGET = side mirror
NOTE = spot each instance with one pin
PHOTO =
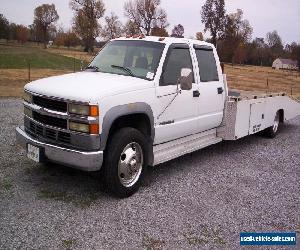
(186, 79)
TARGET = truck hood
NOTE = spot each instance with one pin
(87, 86)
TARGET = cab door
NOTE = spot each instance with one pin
(211, 87)
(178, 109)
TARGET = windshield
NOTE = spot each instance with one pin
(134, 58)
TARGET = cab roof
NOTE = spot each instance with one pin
(165, 40)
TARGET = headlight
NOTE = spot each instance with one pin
(79, 109)
(84, 128)
(80, 127)
(27, 97)
(86, 110)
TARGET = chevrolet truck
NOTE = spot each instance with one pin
(141, 101)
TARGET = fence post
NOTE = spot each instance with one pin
(29, 71)
(268, 89)
(74, 63)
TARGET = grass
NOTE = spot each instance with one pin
(263, 79)
(19, 57)
(14, 70)
(12, 81)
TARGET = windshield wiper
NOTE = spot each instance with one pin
(123, 68)
(93, 67)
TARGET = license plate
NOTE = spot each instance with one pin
(33, 153)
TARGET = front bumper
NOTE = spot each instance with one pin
(86, 161)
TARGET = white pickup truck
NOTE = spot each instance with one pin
(142, 101)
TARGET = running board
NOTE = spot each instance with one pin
(173, 149)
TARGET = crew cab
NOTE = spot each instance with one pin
(142, 101)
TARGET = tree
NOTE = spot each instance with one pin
(35, 33)
(86, 26)
(22, 33)
(199, 36)
(295, 53)
(146, 14)
(213, 17)
(258, 52)
(237, 34)
(13, 31)
(44, 16)
(113, 27)
(131, 28)
(4, 27)
(178, 31)
(239, 55)
(161, 32)
(275, 43)
(71, 40)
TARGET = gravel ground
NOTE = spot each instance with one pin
(199, 201)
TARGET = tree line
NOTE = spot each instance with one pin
(231, 33)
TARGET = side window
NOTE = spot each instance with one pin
(207, 65)
(177, 59)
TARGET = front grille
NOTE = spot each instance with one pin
(51, 121)
(50, 134)
(56, 105)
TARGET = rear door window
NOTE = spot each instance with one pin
(207, 63)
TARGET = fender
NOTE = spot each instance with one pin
(127, 109)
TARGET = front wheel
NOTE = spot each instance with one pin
(272, 131)
(126, 161)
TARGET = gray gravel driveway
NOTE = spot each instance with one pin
(200, 201)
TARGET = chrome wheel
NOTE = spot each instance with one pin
(130, 164)
(276, 123)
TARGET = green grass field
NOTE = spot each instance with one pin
(18, 57)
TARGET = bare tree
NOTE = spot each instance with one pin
(275, 43)
(44, 16)
(113, 27)
(178, 31)
(237, 34)
(86, 26)
(146, 14)
(213, 17)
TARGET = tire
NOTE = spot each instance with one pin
(126, 161)
(272, 131)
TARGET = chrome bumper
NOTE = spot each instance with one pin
(86, 161)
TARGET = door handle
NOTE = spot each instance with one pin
(220, 90)
(196, 93)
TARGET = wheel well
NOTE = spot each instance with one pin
(281, 115)
(138, 121)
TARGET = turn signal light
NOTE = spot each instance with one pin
(94, 129)
(94, 110)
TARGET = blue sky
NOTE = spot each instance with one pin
(263, 15)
